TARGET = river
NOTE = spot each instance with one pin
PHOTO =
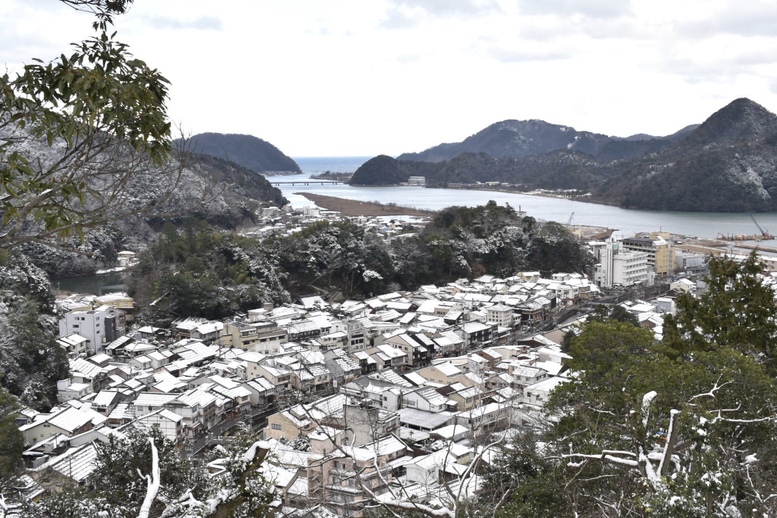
(99, 284)
(627, 222)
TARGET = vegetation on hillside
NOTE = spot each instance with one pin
(76, 133)
(119, 485)
(31, 362)
(726, 164)
(198, 271)
(682, 427)
(248, 151)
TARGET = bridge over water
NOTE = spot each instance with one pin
(307, 182)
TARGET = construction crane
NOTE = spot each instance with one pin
(764, 233)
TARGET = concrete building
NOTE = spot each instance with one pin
(688, 261)
(261, 337)
(99, 326)
(500, 315)
(661, 253)
(619, 268)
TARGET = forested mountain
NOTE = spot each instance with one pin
(556, 170)
(516, 139)
(246, 150)
(728, 163)
(217, 191)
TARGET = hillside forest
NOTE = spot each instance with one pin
(199, 271)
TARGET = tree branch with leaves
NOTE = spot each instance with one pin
(77, 133)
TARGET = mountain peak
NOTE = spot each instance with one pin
(741, 119)
(246, 150)
(515, 139)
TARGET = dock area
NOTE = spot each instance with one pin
(720, 246)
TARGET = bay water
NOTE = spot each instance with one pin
(626, 222)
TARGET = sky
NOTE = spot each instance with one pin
(370, 77)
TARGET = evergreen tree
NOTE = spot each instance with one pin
(683, 427)
(737, 310)
(108, 109)
(12, 443)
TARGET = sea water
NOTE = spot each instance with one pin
(626, 222)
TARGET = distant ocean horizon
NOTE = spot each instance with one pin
(334, 164)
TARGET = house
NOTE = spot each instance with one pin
(538, 393)
(171, 425)
(417, 354)
(299, 420)
(388, 357)
(483, 418)
(126, 258)
(106, 401)
(68, 390)
(199, 409)
(425, 398)
(68, 421)
(465, 398)
(207, 331)
(445, 374)
(278, 375)
(74, 345)
(429, 471)
(342, 367)
(476, 333)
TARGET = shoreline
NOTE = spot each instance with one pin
(353, 208)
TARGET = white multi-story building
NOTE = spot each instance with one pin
(500, 315)
(99, 326)
(661, 253)
(617, 267)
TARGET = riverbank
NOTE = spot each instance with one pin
(353, 208)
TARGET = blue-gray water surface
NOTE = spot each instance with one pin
(627, 222)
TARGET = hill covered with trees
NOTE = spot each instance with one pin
(726, 164)
(198, 271)
(248, 151)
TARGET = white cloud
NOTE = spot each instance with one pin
(389, 76)
(588, 8)
(202, 23)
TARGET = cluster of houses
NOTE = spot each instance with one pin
(390, 398)
(191, 381)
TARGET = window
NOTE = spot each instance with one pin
(276, 426)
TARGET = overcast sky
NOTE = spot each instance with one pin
(369, 77)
